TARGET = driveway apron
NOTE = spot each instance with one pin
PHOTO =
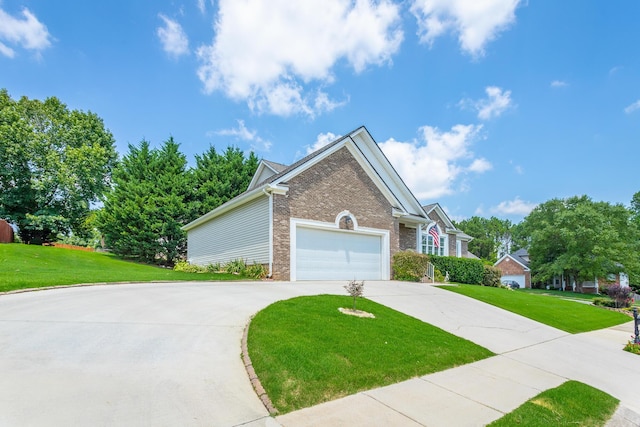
(169, 354)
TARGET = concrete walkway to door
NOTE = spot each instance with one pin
(169, 354)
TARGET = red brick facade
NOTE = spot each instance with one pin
(320, 193)
(509, 267)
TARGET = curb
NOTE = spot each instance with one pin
(255, 381)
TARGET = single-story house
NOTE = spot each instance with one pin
(515, 267)
(339, 213)
(591, 287)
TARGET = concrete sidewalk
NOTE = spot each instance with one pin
(531, 358)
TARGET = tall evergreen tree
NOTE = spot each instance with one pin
(221, 177)
(492, 237)
(142, 216)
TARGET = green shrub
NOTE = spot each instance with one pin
(409, 266)
(256, 271)
(632, 347)
(439, 277)
(461, 270)
(185, 267)
(491, 276)
(604, 302)
(237, 266)
(214, 268)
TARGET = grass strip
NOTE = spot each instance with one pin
(306, 352)
(29, 266)
(569, 316)
(570, 404)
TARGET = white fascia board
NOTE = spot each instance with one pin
(231, 204)
(261, 166)
(357, 154)
(414, 219)
(379, 162)
(443, 215)
(512, 259)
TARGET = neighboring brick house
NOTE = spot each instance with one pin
(515, 266)
(339, 213)
(6, 232)
(450, 242)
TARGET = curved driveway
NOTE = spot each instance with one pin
(168, 354)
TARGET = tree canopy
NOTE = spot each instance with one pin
(54, 162)
(220, 177)
(155, 193)
(581, 238)
(492, 237)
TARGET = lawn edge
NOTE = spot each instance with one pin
(251, 373)
(82, 285)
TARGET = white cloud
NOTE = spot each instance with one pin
(514, 207)
(244, 134)
(322, 140)
(7, 51)
(480, 165)
(271, 54)
(28, 33)
(559, 83)
(476, 22)
(430, 166)
(632, 107)
(497, 102)
(201, 6)
(173, 38)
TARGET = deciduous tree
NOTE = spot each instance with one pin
(54, 162)
(581, 238)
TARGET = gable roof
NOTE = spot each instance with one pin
(449, 226)
(264, 171)
(364, 150)
(518, 256)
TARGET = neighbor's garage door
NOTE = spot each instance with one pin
(517, 277)
(337, 255)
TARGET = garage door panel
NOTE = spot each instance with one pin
(516, 277)
(337, 255)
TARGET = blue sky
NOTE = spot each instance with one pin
(487, 107)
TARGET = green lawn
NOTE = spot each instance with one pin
(26, 266)
(570, 404)
(569, 316)
(567, 294)
(305, 351)
(561, 294)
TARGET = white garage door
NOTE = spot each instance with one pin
(337, 255)
(517, 277)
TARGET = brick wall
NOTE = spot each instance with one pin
(408, 238)
(511, 268)
(320, 193)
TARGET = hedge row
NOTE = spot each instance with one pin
(412, 266)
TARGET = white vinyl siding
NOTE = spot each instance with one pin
(242, 233)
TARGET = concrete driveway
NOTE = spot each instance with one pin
(169, 355)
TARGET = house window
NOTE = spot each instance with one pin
(429, 248)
